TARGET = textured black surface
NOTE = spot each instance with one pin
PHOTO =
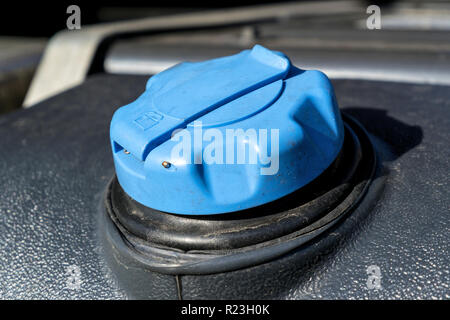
(56, 162)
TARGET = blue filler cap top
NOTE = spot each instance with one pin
(226, 134)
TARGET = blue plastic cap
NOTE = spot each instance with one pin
(226, 134)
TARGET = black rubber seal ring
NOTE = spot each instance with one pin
(162, 258)
(246, 227)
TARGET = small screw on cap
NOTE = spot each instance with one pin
(166, 164)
